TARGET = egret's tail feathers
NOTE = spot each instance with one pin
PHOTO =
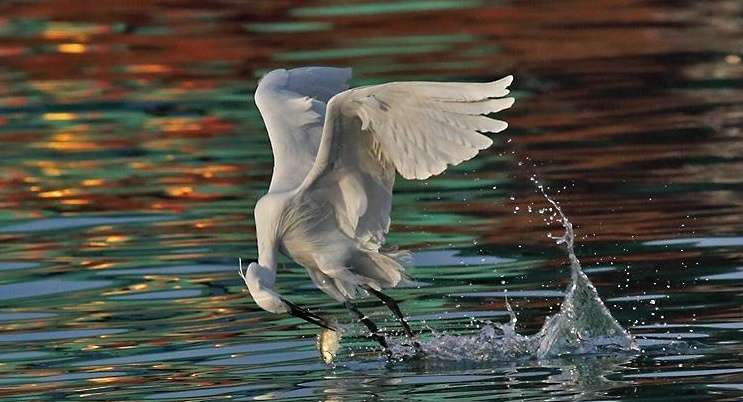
(351, 289)
(367, 268)
(404, 257)
(385, 268)
(342, 282)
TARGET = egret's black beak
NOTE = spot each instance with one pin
(306, 315)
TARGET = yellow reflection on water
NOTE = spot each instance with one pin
(100, 241)
(104, 380)
(74, 48)
(51, 171)
(116, 239)
(59, 116)
(57, 193)
(63, 136)
(68, 141)
(96, 265)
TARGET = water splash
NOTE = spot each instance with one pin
(582, 326)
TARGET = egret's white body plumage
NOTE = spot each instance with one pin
(336, 151)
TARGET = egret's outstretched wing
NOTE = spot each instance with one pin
(292, 103)
(416, 128)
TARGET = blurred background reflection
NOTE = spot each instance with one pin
(132, 154)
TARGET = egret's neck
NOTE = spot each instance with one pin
(267, 253)
(268, 217)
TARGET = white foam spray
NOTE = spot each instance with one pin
(583, 324)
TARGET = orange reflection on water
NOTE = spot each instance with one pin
(75, 201)
(148, 68)
(71, 146)
(210, 171)
(68, 141)
(175, 125)
(92, 182)
(202, 225)
(57, 193)
(179, 191)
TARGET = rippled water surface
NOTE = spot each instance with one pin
(132, 154)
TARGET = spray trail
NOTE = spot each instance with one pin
(582, 325)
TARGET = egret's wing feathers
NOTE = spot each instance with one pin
(416, 128)
(321, 83)
(423, 127)
(292, 104)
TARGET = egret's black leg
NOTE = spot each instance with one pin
(392, 305)
(307, 315)
(370, 325)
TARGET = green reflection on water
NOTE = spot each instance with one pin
(389, 7)
(288, 27)
(352, 52)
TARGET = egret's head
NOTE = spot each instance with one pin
(257, 275)
(259, 281)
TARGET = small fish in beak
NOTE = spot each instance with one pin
(328, 342)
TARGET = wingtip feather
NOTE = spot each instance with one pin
(508, 102)
(487, 143)
(507, 80)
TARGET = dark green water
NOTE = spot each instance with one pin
(132, 154)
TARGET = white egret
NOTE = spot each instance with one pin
(336, 151)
